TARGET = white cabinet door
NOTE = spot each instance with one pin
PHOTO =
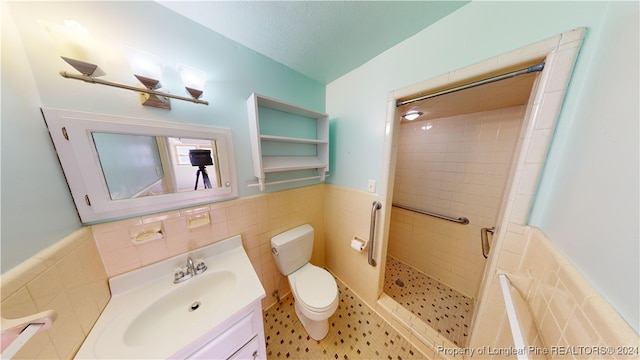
(251, 351)
(229, 342)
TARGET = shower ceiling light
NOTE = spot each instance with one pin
(411, 115)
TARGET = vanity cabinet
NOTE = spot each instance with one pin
(214, 315)
(286, 137)
(239, 337)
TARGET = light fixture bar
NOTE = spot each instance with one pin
(94, 80)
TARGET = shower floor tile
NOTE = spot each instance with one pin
(355, 332)
(439, 306)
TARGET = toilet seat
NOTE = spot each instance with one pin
(315, 288)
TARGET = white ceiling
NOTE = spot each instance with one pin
(320, 39)
(327, 39)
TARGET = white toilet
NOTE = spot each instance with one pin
(314, 289)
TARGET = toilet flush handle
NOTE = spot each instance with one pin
(274, 251)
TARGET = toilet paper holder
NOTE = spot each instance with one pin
(359, 244)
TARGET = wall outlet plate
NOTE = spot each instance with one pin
(371, 186)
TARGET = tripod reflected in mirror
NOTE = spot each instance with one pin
(201, 158)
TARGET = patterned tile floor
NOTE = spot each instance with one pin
(355, 332)
(439, 306)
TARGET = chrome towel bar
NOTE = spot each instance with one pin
(377, 205)
(517, 331)
(263, 184)
(460, 220)
(17, 332)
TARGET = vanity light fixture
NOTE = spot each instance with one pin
(193, 80)
(78, 49)
(412, 115)
(148, 70)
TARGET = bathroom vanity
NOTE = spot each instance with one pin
(216, 314)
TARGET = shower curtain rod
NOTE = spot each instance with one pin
(528, 70)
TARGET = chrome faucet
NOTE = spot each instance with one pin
(190, 270)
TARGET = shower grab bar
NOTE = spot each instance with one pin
(460, 220)
(484, 240)
(377, 205)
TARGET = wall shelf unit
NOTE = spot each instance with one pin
(286, 137)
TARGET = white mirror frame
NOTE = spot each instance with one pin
(71, 132)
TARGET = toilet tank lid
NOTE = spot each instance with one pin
(292, 234)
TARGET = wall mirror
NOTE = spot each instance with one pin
(119, 167)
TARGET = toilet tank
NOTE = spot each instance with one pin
(292, 249)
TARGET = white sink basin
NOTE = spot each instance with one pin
(189, 302)
(149, 316)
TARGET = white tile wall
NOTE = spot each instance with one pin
(456, 166)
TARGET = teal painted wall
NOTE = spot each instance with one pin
(588, 198)
(34, 191)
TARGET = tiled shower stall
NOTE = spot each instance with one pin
(455, 166)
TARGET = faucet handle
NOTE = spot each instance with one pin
(180, 274)
(200, 266)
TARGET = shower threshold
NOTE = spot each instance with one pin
(442, 308)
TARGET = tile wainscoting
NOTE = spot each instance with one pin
(71, 276)
(67, 277)
(257, 219)
(567, 311)
(567, 317)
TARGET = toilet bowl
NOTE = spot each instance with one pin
(314, 289)
(315, 294)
